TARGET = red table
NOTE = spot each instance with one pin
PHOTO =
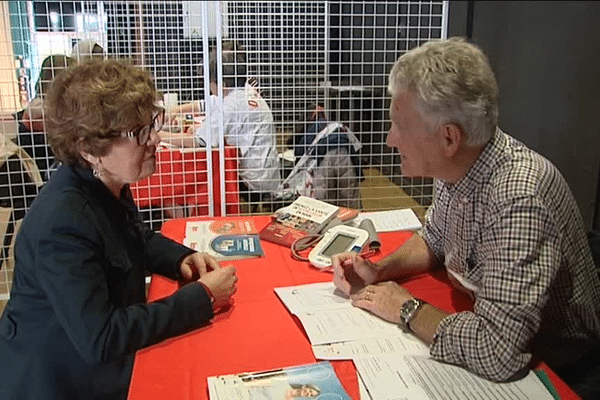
(181, 179)
(259, 333)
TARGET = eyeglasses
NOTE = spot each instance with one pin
(143, 134)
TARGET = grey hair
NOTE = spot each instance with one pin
(451, 82)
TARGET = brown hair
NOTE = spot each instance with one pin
(90, 103)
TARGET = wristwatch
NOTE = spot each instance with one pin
(408, 310)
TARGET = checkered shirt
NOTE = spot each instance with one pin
(512, 230)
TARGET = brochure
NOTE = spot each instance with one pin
(305, 381)
(224, 239)
(305, 216)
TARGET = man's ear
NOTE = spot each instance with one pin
(395, 103)
(452, 136)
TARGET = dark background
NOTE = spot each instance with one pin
(546, 55)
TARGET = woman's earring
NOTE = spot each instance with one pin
(96, 169)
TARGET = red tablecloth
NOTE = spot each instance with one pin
(259, 333)
(181, 179)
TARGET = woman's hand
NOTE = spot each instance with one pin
(222, 284)
(351, 272)
(197, 265)
(384, 300)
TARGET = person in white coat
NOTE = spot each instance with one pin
(85, 49)
(247, 122)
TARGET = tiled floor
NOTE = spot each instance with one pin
(380, 193)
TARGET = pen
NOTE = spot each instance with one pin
(268, 372)
(262, 374)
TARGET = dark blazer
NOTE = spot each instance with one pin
(77, 311)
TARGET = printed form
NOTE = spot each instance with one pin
(338, 330)
(392, 364)
(399, 377)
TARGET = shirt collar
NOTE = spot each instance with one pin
(481, 169)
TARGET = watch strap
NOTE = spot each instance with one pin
(409, 310)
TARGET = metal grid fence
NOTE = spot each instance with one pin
(314, 63)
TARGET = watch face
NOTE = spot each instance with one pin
(408, 308)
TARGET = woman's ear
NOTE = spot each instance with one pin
(82, 149)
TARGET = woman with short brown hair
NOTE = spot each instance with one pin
(77, 312)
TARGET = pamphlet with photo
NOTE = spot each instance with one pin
(299, 382)
(229, 239)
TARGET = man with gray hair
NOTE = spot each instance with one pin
(504, 225)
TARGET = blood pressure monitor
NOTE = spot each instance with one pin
(339, 239)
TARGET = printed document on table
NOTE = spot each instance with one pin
(312, 297)
(278, 384)
(390, 221)
(329, 317)
(401, 343)
(344, 324)
(394, 377)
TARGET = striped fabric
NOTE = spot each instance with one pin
(510, 233)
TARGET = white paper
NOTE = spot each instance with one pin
(362, 391)
(402, 343)
(312, 297)
(329, 317)
(396, 377)
(392, 364)
(228, 387)
(393, 220)
(343, 324)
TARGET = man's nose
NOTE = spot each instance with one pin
(154, 138)
(389, 141)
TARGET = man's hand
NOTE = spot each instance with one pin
(351, 272)
(383, 299)
(197, 265)
(222, 284)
